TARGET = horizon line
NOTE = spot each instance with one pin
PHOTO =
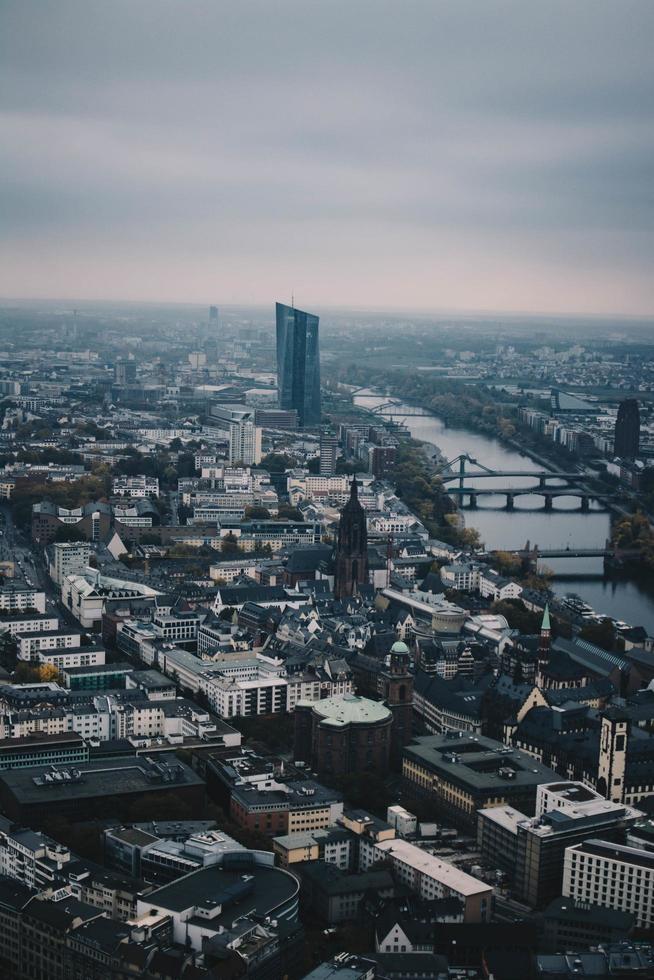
(396, 310)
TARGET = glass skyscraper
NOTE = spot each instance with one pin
(298, 363)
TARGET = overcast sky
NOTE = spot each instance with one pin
(471, 154)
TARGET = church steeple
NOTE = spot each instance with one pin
(352, 547)
(544, 646)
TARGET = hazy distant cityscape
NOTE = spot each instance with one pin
(314, 626)
(326, 490)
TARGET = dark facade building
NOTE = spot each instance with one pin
(462, 773)
(381, 460)
(351, 557)
(276, 418)
(92, 521)
(578, 925)
(298, 363)
(627, 430)
(390, 679)
(328, 453)
(125, 372)
(104, 788)
(342, 735)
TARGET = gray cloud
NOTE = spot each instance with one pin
(469, 153)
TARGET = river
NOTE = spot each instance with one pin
(565, 525)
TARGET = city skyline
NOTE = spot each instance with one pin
(480, 157)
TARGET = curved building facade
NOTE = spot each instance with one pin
(342, 735)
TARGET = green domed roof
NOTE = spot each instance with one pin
(400, 647)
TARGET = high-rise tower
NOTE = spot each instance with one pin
(328, 453)
(351, 558)
(627, 430)
(298, 363)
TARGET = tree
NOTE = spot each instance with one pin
(601, 634)
(278, 462)
(256, 512)
(286, 512)
(229, 545)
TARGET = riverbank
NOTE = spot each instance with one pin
(622, 596)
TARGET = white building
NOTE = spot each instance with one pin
(431, 878)
(29, 624)
(492, 585)
(405, 823)
(69, 558)
(599, 872)
(244, 442)
(30, 644)
(462, 576)
(19, 598)
(85, 595)
(135, 486)
(252, 687)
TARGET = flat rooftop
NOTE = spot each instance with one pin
(246, 891)
(349, 710)
(133, 774)
(425, 863)
(477, 763)
(617, 852)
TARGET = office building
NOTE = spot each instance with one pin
(328, 453)
(244, 443)
(531, 850)
(213, 314)
(223, 414)
(206, 902)
(617, 877)
(626, 441)
(32, 797)
(69, 558)
(461, 773)
(276, 418)
(298, 363)
(574, 925)
(125, 372)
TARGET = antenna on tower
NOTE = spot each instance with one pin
(292, 300)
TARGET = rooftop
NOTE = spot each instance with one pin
(432, 866)
(249, 890)
(349, 710)
(478, 763)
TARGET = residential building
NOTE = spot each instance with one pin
(431, 878)
(328, 453)
(19, 598)
(135, 486)
(244, 443)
